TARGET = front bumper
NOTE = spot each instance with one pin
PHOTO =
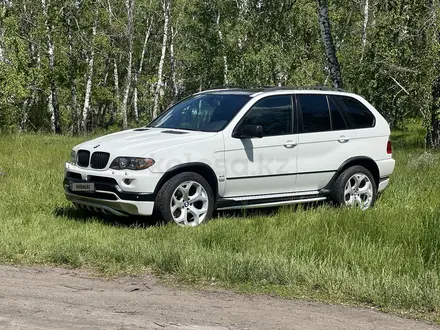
(112, 193)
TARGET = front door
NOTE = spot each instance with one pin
(266, 165)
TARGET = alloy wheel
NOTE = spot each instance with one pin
(358, 191)
(189, 204)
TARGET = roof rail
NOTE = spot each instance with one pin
(319, 88)
(275, 88)
(239, 87)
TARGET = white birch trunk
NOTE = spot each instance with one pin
(135, 100)
(365, 28)
(4, 4)
(23, 119)
(37, 57)
(139, 71)
(166, 13)
(130, 5)
(91, 58)
(73, 93)
(116, 82)
(242, 6)
(51, 111)
(51, 54)
(116, 104)
(53, 99)
(2, 50)
(225, 58)
(173, 66)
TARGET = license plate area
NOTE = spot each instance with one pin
(82, 187)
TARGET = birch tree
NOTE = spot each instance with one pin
(129, 4)
(114, 59)
(139, 70)
(329, 46)
(433, 131)
(72, 74)
(242, 6)
(225, 57)
(116, 87)
(166, 21)
(90, 66)
(173, 65)
(3, 5)
(53, 105)
(365, 27)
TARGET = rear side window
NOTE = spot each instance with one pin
(338, 121)
(315, 113)
(360, 116)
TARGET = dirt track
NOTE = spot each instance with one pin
(34, 298)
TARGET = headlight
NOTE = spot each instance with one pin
(131, 163)
(73, 157)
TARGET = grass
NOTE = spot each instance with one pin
(387, 257)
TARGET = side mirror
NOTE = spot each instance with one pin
(249, 131)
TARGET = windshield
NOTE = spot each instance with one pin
(203, 112)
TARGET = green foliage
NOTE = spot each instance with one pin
(396, 70)
(261, 42)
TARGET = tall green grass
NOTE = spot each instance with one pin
(388, 256)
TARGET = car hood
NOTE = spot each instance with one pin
(141, 141)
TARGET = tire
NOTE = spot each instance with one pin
(355, 187)
(186, 199)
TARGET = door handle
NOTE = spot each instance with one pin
(290, 144)
(343, 139)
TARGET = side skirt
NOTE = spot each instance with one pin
(261, 201)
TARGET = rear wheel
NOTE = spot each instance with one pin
(186, 199)
(355, 187)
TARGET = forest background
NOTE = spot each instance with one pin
(76, 66)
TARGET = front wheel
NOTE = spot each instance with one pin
(186, 199)
(355, 187)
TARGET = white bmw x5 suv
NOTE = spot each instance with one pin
(230, 148)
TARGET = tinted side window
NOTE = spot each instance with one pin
(315, 113)
(338, 121)
(273, 113)
(359, 114)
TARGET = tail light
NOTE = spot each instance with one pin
(389, 148)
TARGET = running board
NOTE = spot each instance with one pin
(269, 204)
(272, 196)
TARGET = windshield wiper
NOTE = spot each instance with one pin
(190, 129)
(183, 129)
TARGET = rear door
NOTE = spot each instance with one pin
(370, 141)
(325, 140)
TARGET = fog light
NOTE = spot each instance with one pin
(128, 181)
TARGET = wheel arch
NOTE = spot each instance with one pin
(202, 169)
(364, 161)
